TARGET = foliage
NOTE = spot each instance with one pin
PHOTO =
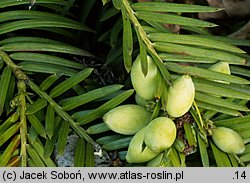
(30, 112)
(48, 89)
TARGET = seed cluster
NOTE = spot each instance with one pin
(161, 116)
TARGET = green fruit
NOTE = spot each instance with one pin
(146, 87)
(140, 101)
(228, 140)
(156, 162)
(137, 151)
(222, 67)
(127, 119)
(180, 96)
(160, 134)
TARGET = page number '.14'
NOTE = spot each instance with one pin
(240, 175)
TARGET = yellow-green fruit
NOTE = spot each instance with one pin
(140, 101)
(180, 96)
(156, 162)
(160, 134)
(137, 151)
(127, 119)
(146, 87)
(222, 67)
(228, 140)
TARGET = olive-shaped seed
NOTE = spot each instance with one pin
(228, 140)
(147, 86)
(127, 119)
(180, 96)
(137, 151)
(222, 67)
(160, 134)
(156, 162)
(140, 101)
